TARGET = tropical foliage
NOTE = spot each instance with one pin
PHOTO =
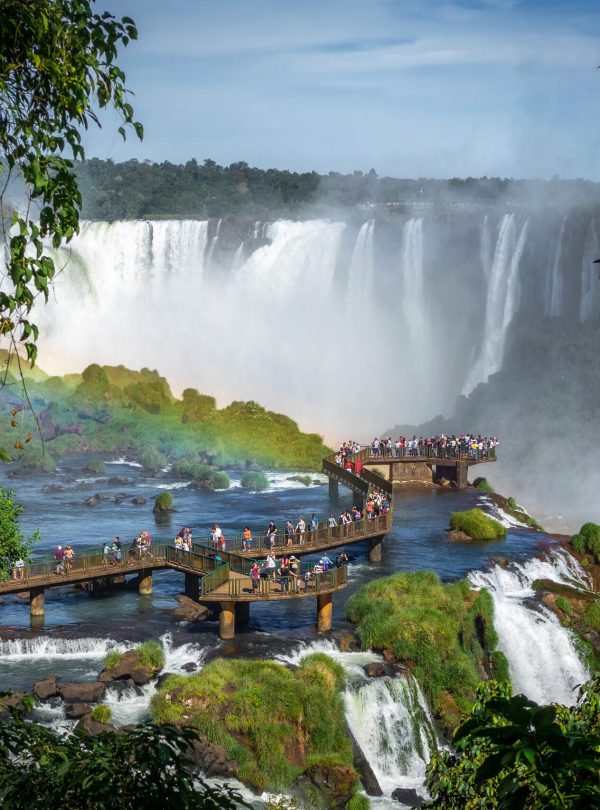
(477, 525)
(13, 543)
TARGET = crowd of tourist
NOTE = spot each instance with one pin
(288, 571)
(454, 446)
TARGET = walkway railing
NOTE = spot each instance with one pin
(212, 581)
(389, 453)
(276, 585)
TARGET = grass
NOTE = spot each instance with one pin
(591, 617)
(163, 502)
(477, 525)
(445, 631)
(588, 540)
(483, 485)
(101, 713)
(255, 480)
(113, 659)
(275, 723)
(95, 467)
(563, 604)
(151, 654)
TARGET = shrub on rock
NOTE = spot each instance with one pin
(474, 523)
(163, 502)
(255, 480)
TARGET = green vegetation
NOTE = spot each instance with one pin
(257, 481)
(13, 543)
(106, 409)
(112, 771)
(163, 502)
(477, 525)
(113, 659)
(483, 485)
(513, 753)
(274, 723)
(446, 631)
(512, 503)
(591, 617)
(563, 604)
(95, 467)
(101, 714)
(150, 654)
(588, 540)
(58, 65)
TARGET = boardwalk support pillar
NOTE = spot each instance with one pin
(145, 582)
(227, 620)
(37, 602)
(334, 490)
(324, 612)
(375, 549)
(192, 586)
(242, 614)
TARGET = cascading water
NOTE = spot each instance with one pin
(554, 284)
(542, 655)
(361, 271)
(590, 288)
(414, 304)
(501, 301)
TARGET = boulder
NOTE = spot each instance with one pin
(75, 711)
(46, 689)
(347, 641)
(92, 726)
(188, 610)
(12, 701)
(125, 686)
(128, 668)
(50, 488)
(95, 499)
(119, 481)
(138, 501)
(335, 782)
(212, 759)
(374, 669)
(162, 678)
(361, 763)
(190, 667)
(408, 796)
(89, 692)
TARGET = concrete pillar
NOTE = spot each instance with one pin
(462, 471)
(145, 582)
(36, 602)
(227, 620)
(375, 549)
(324, 611)
(192, 586)
(242, 614)
(334, 491)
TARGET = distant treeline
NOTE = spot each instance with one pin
(133, 190)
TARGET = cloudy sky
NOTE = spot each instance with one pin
(411, 88)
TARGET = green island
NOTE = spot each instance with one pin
(474, 524)
(117, 410)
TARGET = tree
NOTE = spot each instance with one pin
(145, 767)
(13, 543)
(514, 754)
(57, 62)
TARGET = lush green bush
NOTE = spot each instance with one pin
(578, 543)
(591, 617)
(220, 480)
(151, 654)
(35, 460)
(512, 503)
(483, 485)
(163, 502)
(95, 467)
(113, 659)
(446, 631)
(13, 543)
(274, 722)
(255, 480)
(197, 407)
(477, 525)
(563, 604)
(152, 460)
(101, 713)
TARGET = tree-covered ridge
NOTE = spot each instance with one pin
(115, 409)
(134, 190)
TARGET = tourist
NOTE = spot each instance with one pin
(247, 539)
(341, 559)
(331, 522)
(116, 551)
(271, 566)
(314, 523)
(215, 536)
(59, 556)
(284, 576)
(271, 536)
(255, 576)
(68, 557)
(19, 569)
(289, 533)
(294, 572)
(105, 554)
(300, 529)
(326, 563)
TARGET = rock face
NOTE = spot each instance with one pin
(46, 689)
(347, 641)
(128, 668)
(374, 669)
(212, 759)
(75, 711)
(335, 782)
(188, 610)
(92, 726)
(138, 501)
(91, 692)
(408, 796)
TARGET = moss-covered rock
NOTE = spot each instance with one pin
(474, 524)
(255, 480)
(139, 665)
(279, 727)
(163, 502)
(445, 633)
(95, 467)
(36, 461)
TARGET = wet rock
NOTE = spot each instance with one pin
(335, 782)
(46, 689)
(212, 759)
(93, 500)
(48, 489)
(75, 711)
(162, 678)
(90, 692)
(389, 657)
(119, 481)
(125, 685)
(122, 496)
(190, 667)
(128, 668)
(374, 669)
(92, 726)
(367, 775)
(138, 501)
(12, 701)
(347, 641)
(188, 610)
(408, 796)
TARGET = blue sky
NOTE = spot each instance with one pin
(408, 87)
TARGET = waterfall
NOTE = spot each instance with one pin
(391, 722)
(414, 305)
(360, 273)
(501, 300)
(554, 284)
(45, 647)
(588, 307)
(542, 655)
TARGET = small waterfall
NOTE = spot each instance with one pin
(361, 270)
(501, 301)
(554, 284)
(414, 305)
(542, 654)
(391, 722)
(44, 647)
(589, 303)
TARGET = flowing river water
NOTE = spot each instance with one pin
(388, 716)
